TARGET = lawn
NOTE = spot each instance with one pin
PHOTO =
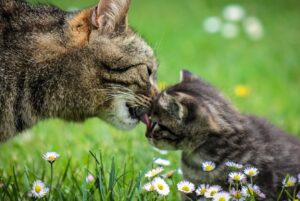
(269, 67)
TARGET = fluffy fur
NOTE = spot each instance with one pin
(71, 65)
(194, 117)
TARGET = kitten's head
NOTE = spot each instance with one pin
(184, 115)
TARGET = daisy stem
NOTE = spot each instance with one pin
(51, 164)
(294, 192)
(251, 181)
(280, 194)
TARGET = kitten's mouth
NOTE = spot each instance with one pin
(140, 113)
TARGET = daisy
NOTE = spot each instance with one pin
(202, 189)
(162, 162)
(250, 190)
(161, 186)
(185, 186)
(169, 174)
(149, 186)
(50, 156)
(289, 181)
(154, 172)
(234, 12)
(90, 178)
(236, 195)
(251, 171)
(39, 189)
(208, 166)
(233, 165)
(236, 176)
(211, 191)
(221, 196)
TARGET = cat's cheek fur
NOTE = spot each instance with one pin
(119, 115)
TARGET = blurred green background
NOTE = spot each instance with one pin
(268, 67)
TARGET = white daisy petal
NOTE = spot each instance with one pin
(154, 172)
(39, 189)
(149, 186)
(237, 176)
(212, 190)
(208, 166)
(186, 187)
(202, 189)
(50, 156)
(251, 171)
(233, 165)
(161, 187)
(162, 162)
(221, 196)
(289, 181)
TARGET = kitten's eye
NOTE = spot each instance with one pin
(174, 109)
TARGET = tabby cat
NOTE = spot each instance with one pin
(71, 65)
(193, 117)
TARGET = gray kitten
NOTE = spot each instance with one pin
(193, 117)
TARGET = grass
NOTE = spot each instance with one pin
(270, 67)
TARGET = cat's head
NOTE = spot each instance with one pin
(124, 64)
(184, 115)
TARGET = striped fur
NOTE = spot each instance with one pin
(71, 66)
(210, 129)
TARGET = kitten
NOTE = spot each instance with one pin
(71, 65)
(193, 117)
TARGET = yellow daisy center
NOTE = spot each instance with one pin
(237, 195)
(202, 191)
(208, 168)
(236, 177)
(37, 188)
(213, 192)
(151, 187)
(186, 188)
(160, 187)
(221, 199)
(251, 172)
(289, 183)
(51, 157)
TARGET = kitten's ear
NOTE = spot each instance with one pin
(186, 75)
(111, 15)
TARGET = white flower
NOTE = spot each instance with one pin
(230, 30)
(212, 24)
(161, 186)
(211, 191)
(149, 186)
(233, 165)
(221, 196)
(50, 156)
(236, 176)
(251, 171)
(289, 181)
(233, 13)
(253, 28)
(185, 186)
(154, 172)
(39, 189)
(90, 178)
(162, 162)
(162, 152)
(236, 195)
(208, 166)
(179, 171)
(202, 189)
(250, 190)
(169, 174)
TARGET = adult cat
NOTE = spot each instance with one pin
(193, 117)
(71, 65)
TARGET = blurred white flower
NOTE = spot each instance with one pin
(90, 178)
(221, 196)
(212, 24)
(154, 172)
(237, 176)
(234, 12)
(162, 162)
(169, 174)
(251, 171)
(289, 181)
(233, 165)
(230, 30)
(149, 186)
(186, 187)
(161, 186)
(1, 184)
(179, 171)
(162, 152)
(236, 195)
(253, 28)
(39, 189)
(212, 190)
(50, 156)
(251, 190)
(202, 189)
(208, 166)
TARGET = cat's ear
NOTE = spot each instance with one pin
(186, 75)
(111, 15)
